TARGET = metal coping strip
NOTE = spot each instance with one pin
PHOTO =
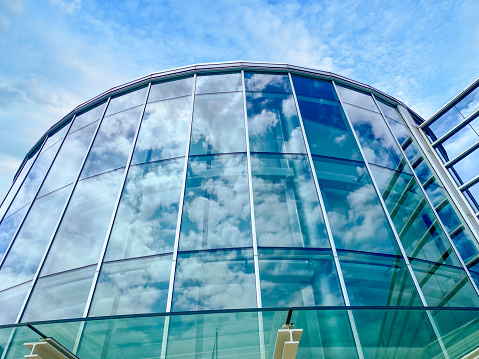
(47, 250)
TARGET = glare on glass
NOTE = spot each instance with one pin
(357, 98)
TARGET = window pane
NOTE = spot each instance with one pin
(145, 223)
(287, 209)
(273, 123)
(298, 278)
(132, 287)
(66, 167)
(164, 130)
(32, 240)
(9, 226)
(112, 145)
(466, 168)
(88, 117)
(400, 131)
(445, 122)
(357, 98)
(60, 296)
(81, 234)
(216, 212)
(469, 104)
(218, 83)
(170, 89)
(377, 280)
(214, 280)
(355, 214)
(126, 101)
(390, 112)
(459, 142)
(11, 301)
(218, 124)
(314, 88)
(267, 83)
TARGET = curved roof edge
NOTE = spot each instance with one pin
(207, 68)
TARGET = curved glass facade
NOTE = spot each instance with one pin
(232, 191)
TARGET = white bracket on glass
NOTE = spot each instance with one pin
(287, 342)
(48, 348)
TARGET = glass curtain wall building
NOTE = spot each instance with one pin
(184, 213)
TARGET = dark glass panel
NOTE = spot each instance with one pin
(298, 278)
(9, 226)
(218, 124)
(357, 98)
(214, 280)
(377, 280)
(446, 122)
(88, 117)
(11, 301)
(164, 130)
(145, 223)
(26, 252)
(218, 83)
(126, 101)
(113, 142)
(60, 296)
(81, 234)
(267, 83)
(66, 167)
(314, 88)
(273, 123)
(355, 214)
(216, 212)
(132, 287)
(171, 89)
(287, 208)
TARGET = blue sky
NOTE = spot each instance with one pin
(56, 54)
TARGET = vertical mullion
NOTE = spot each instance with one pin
(115, 210)
(62, 214)
(328, 226)
(180, 205)
(430, 203)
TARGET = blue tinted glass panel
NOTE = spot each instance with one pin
(459, 142)
(399, 130)
(314, 88)
(216, 212)
(273, 123)
(219, 83)
(474, 192)
(171, 89)
(287, 209)
(267, 83)
(9, 226)
(469, 104)
(357, 98)
(466, 168)
(145, 223)
(446, 122)
(390, 112)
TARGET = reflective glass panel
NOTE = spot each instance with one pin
(218, 124)
(11, 301)
(400, 131)
(164, 130)
(126, 101)
(26, 252)
(216, 212)
(273, 123)
(357, 98)
(112, 144)
(66, 167)
(466, 168)
(422, 170)
(469, 104)
(132, 287)
(57, 136)
(267, 83)
(474, 191)
(377, 280)
(9, 226)
(314, 88)
(445, 122)
(145, 222)
(171, 89)
(355, 214)
(459, 142)
(308, 277)
(81, 234)
(287, 209)
(88, 117)
(214, 280)
(219, 83)
(60, 296)
(443, 285)
(390, 112)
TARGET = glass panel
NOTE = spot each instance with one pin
(443, 285)
(466, 168)
(11, 301)
(60, 296)
(26, 252)
(390, 112)
(469, 104)
(355, 214)
(219, 83)
(298, 278)
(132, 287)
(170, 89)
(267, 83)
(164, 130)
(126, 101)
(412, 152)
(57, 136)
(357, 98)
(218, 124)
(377, 280)
(66, 167)
(145, 223)
(418, 229)
(376, 140)
(9, 226)
(287, 209)
(81, 234)
(88, 117)
(112, 145)
(475, 124)
(314, 88)
(445, 122)
(214, 280)
(400, 131)
(474, 191)
(216, 212)
(460, 141)
(422, 171)
(273, 123)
